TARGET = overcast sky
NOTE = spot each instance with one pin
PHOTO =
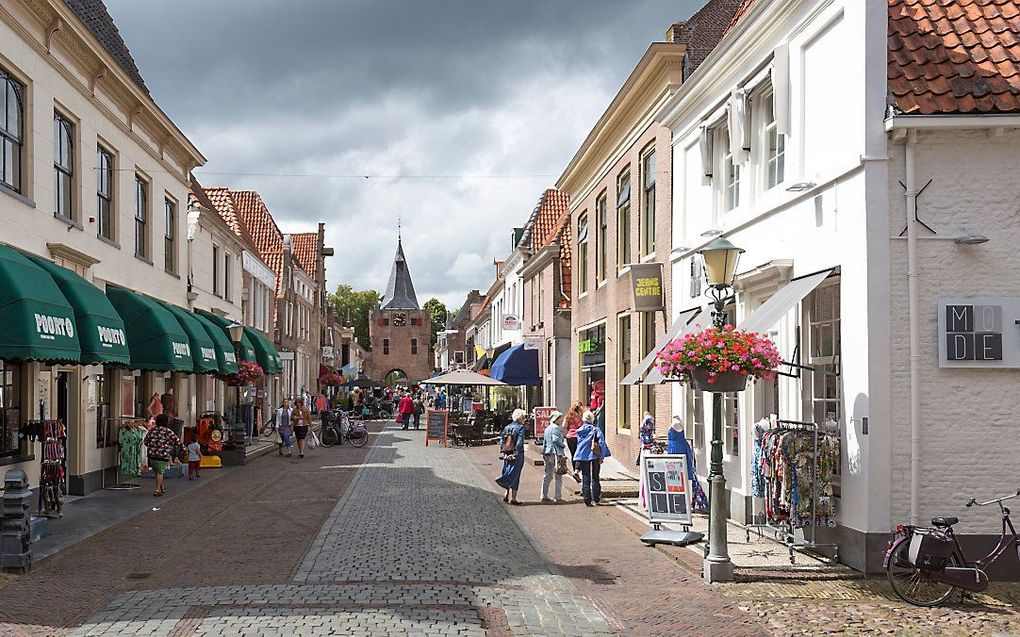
(461, 112)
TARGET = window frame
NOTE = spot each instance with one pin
(646, 226)
(624, 365)
(217, 288)
(142, 227)
(170, 234)
(582, 253)
(624, 255)
(109, 223)
(15, 388)
(414, 347)
(226, 275)
(14, 139)
(64, 167)
(386, 347)
(601, 237)
(765, 102)
(646, 399)
(729, 190)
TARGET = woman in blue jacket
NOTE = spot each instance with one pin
(513, 460)
(591, 449)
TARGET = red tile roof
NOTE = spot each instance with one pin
(223, 203)
(265, 234)
(745, 5)
(552, 208)
(566, 248)
(954, 56)
(306, 249)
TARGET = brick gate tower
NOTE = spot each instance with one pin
(399, 330)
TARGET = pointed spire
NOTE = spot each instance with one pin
(400, 290)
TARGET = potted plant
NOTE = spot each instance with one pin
(247, 373)
(719, 359)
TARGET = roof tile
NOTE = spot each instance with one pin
(306, 249)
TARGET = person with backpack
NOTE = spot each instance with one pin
(591, 450)
(511, 450)
(419, 409)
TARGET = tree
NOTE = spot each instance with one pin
(356, 306)
(437, 314)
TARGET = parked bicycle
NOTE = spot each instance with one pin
(343, 427)
(926, 565)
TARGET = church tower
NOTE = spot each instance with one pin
(400, 330)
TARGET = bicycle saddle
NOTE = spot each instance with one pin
(942, 521)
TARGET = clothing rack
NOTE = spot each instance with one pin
(787, 532)
(119, 484)
(53, 468)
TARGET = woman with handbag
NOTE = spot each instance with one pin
(511, 450)
(591, 449)
(554, 456)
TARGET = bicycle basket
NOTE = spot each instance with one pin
(930, 549)
(358, 431)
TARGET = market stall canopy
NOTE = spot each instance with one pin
(203, 349)
(265, 352)
(462, 377)
(155, 337)
(247, 348)
(38, 322)
(100, 329)
(767, 314)
(517, 366)
(687, 320)
(226, 359)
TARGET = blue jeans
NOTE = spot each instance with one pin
(285, 439)
(405, 419)
(591, 488)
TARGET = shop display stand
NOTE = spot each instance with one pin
(786, 533)
(119, 484)
(52, 470)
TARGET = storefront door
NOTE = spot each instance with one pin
(63, 411)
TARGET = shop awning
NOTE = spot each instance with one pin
(203, 349)
(155, 337)
(517, 366)
(462, 377)
(37, 321)
(265, 352)
(226, 359)
(768, 313)
(100, 329)
(247, 348)
(686, 320)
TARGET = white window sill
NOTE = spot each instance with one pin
(582, 295)
(648, 257)
(622, 271)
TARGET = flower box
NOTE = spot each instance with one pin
(719, 359)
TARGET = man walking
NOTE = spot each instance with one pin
(419, 409)
(406, 410)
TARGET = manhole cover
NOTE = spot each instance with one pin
(137, 575)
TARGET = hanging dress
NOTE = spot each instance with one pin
(678, 444)
(130, 439)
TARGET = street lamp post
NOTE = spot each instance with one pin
(720, 257)
(236, 332)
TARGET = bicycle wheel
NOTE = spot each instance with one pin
(911, 584)
(356, 440)
(330, 436)
(269, 428)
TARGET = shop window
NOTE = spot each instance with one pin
(601, 238)
(592, 350)
(696, 418)
(647, 344)
(623, 256)
(106, 431)
(648, 168)
(624, 358)
(10, 409)
(170, 235)
(731, 405)
(104, 193)
(12, 111)
(582, 253)
(386, 346)
(141, 218)
(823, 391)
(63, 167)
(775, 144)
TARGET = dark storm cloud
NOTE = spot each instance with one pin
(402, 87)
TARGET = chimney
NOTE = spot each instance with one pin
(674, 32)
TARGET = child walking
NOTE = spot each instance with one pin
(194, 459)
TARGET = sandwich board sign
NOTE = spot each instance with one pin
(668, 489)
(436, 425)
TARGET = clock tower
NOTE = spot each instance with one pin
(400, 331)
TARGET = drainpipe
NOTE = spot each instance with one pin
(913, 307)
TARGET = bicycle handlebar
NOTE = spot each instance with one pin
(973, 501)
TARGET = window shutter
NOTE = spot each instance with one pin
(706, 143)
(781, 88)
(737, 122)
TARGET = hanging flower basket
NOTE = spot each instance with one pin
(719, 359)
(332, 379)
(247, 373)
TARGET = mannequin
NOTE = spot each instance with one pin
(647, 433)
(678, 445)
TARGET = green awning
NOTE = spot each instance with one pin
(37, 320)
(203, 350)
(247, 348)
(100, 329)
(155, 337)
(265, 351)
(225, 356)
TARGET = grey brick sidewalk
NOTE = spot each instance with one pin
(419, 544)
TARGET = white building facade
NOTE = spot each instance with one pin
(812, 172)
